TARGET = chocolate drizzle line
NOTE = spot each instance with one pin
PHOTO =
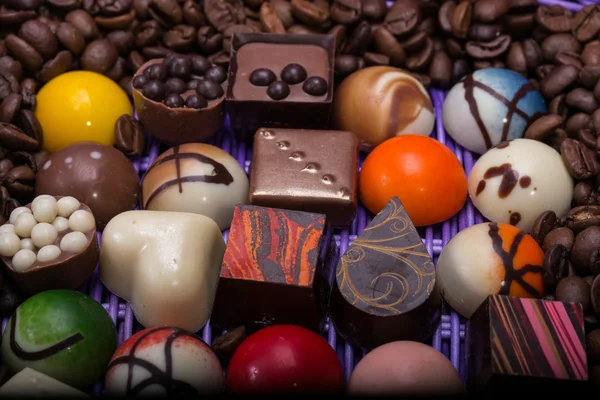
(221, 176)
(41, 354)
(510, 178)
(470, 84)
(511, 274)
(157, 376)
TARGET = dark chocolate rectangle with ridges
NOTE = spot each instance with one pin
(247, 116)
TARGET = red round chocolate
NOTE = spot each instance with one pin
(285, 359)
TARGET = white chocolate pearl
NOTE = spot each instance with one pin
(24, 224)
(67, 206)
(16, 212)
(9, 244)
(74, 242)
(48, 253)
(7, 228)
(61, 224)
(82, 221)
(43, 234)
(27, 244)
(45, 210)
(40, 197)
(23, 260)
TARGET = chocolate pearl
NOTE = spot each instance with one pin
(154, 90)
(200, 65)
(592, 341)
(193, 84)
(196, 102)
(209, 89)
(585, 254)
(175, 85)
(139, 81)
(315, 86)
(181, 67)
(174, 100)
(574, 289)
(262, 77)
(216, 74)
(293, 74)
(562, 236)
(156, 72)
(278, 90)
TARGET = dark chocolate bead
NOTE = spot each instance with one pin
(174, 101)
(278, 90)
(139, 81)
(175, 85)
(209, 89)
(156, 72)
(200, 65)
(262, 77)
(216, 74)
(196, 101)
(293, 74)
(193, 84)
(181, 67)
(154, 90)
(315, 86)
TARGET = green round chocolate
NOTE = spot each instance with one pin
(63, 334)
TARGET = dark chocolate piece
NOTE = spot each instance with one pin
(385, 287)
(278, 90)
(306, 170)
(262, 77)
(252, 106)
(271, 271)
(526, 343)
(226, 344)
(315, 86)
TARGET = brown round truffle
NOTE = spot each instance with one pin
(99, 176)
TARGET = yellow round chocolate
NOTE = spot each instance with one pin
(80, 106)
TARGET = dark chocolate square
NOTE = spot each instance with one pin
(306, 170)
(249, 106)
(526, 343)
(271, 272)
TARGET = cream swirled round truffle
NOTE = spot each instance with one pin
(378, 103)
(516, 181)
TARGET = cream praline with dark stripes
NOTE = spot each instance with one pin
(378, 103)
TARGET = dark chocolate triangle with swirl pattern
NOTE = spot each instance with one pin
(385, 284)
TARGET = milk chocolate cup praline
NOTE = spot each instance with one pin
(174, 126)
(69, 270)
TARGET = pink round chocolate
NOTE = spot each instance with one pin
(405, 368)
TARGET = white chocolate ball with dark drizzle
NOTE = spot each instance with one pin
(44, 250)
(516, 181)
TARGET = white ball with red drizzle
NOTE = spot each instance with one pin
(516, 181)
(196, 178)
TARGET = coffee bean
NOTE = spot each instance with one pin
(543, 224)
(556, 139)
(440, 70)
(302, 30)
(8, 84)
(209, 40)
(562, 236)
(135, 61)
(40, 37)
(84, 23)
(415, 42)
(192, 14)
(309, 13)
(582, 217)
(515, 60)
(558, 80)
(555, 265)
(490, 10)
(196, 102)
(579, 160)
(220, 59)
(23, 52)
(148, 33)
(568, 59)
(12, 67)
(345, 12)
(542, 71)
(533, 53)
(374, 10)
(375, 59)
(13, 138)
(461, 20)
(587, 138)
(585, 194)
(445, 15)
(125, 84)
(403, 18)
(460, 68)
(9, 107)
(589, 76)
(558, 106)
(488, 50)
(230, 31)
(557, 43)
(586, 23)
(594, 123)
(175, 85)
(270, 20)
(263, 77)
(485, 32)
(159, 51)
(591, 53)
(359, 39)
(573, 289)
(129, 136)
(345, 64)
(180, 38)
(592, 341)
(99, 56)
(210, 90)
(387, 44)
(576, 123)
(154, 90)
(283, 9)
(315, 86)
(583, 100)
(422, 59)
(123, 41)
(585, 254)
(166, 12)
(541, 128)
(56, 66)
(554, 18)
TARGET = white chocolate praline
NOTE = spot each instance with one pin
(540, 182)
(48, 253)
(27, 244)
(7, 228)
(61, 224)
(167, 264)
(16, 212)
(41, 197)
(73, 242)
(24, 224)
(23, 260)
(82, 221)
(215, 200)
(43, 234)
(9, 244)
(67, 206)
(45, 210)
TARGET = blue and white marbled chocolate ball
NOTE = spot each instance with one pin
(490, 106)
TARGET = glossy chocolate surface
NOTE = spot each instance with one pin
(306, 170)
(271, 272)
(251, 107)
(385, 287)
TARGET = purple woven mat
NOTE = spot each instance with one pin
(449, 336)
